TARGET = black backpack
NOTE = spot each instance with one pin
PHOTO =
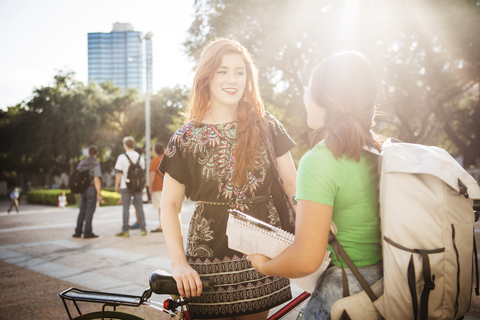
(135, 177)
(79, 181)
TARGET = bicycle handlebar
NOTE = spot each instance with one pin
(161, 282)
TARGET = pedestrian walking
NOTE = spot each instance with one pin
(14, 196)
(88, 199)
(130, 168)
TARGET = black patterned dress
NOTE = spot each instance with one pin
(202, 159)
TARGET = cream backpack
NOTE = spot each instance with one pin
(428, 244)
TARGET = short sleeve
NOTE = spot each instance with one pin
(119, 163)
(282, 142)
(97, 172)
(318, 177)
(173, 161)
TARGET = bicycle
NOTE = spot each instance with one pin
(161, 282)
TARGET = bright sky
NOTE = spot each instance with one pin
(37, 38)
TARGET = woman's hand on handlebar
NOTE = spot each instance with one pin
(188, 281)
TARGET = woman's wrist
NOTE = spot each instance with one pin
(180, 261)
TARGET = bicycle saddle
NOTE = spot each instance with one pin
(162, 282)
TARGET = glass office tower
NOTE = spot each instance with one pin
(118, 56)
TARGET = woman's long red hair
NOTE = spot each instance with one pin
(250, 127)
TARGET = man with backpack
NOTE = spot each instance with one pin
(130, 181)
(89, 171)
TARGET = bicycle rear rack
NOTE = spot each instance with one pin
(107, 299)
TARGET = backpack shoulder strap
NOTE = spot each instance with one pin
(340, 252)
(129, 160)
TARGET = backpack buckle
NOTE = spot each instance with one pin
(429, 286)
(429, 283)
(463, 189)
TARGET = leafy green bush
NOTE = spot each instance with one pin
(110, 198)
(50, 197)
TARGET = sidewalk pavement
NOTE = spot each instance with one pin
(39, 259)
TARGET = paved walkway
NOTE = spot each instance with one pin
(39, 259)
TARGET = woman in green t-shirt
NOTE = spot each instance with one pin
(336, 182)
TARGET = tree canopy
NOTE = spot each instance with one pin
(426, 54)
(49, 133)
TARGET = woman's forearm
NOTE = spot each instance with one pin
(308, 250)
(172, 230)
(172, 198)
(282, 266)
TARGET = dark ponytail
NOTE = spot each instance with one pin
(346, 86)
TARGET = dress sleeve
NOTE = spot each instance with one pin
(282, 142)
(173, 161)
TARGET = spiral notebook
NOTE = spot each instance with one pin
(250, 235)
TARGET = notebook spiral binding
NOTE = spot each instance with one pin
(260, 226)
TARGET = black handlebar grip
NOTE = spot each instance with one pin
(162, 282)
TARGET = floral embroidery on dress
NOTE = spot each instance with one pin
(215, 148)
(274, 218)
(199, 231)
(208, 166)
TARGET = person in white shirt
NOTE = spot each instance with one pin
(121, 166)
(62, 200)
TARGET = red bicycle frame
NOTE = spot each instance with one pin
(290, 306)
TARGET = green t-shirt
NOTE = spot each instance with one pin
(350, 187)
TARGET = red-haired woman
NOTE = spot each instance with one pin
(219, 158)
(337, 182)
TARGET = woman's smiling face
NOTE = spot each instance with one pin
(228, 83)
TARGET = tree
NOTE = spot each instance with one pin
(167, 106)
(125, 116)
(426, 55)
(46, 134)
(121, 113)
(49, 133)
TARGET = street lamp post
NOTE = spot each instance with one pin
(148, 36)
